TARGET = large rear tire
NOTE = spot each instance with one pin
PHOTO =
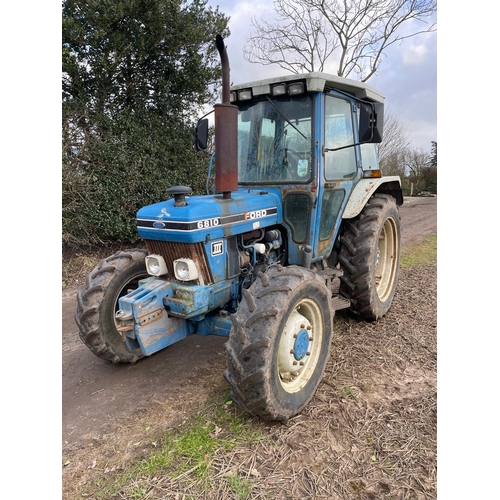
(369, 256)
(279, 343)
(97, 303)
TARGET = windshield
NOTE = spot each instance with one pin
(274, 140)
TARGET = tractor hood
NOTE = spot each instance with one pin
(209, 217)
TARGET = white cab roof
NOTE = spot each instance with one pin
(315, 82)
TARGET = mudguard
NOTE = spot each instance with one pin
(365, 189)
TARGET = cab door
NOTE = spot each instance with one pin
(338, 169)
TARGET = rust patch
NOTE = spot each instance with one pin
(146, 318)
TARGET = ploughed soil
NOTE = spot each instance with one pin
(369, 432)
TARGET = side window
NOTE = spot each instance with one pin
(297, 208)
(244, 141)
(329, 212)
(369, 158)
(339, 132)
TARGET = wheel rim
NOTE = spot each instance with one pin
(300, 346)
(386, 259)
(128, 287)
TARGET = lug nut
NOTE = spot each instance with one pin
(292, 351)
(294, 363)
(301, 363)
(308, 353)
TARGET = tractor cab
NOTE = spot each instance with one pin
(309, 139)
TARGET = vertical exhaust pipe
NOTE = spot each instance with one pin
(226, 132)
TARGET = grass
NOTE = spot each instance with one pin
(76, 264)
(241, 487)
(187, 451)
(423, 254)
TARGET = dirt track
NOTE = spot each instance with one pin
(99, 397)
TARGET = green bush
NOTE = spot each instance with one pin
(134, 76)
(107, 181)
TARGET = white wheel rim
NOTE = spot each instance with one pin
(300, 346)
(386, 259)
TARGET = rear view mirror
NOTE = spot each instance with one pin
(371, 122)
(201, 135)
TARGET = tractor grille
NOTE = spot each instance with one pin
(172, 251)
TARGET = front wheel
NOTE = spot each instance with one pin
(369, 256)
(279, 344)
(97, 303)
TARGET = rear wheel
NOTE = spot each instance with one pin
(97, 303)
(279, 343)
(369, 256)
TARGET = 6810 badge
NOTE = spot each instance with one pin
(203, 224)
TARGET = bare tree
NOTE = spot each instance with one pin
(396, 143)
(357, 32)
(300, 40)
(416, 160)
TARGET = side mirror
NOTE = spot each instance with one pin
(201, 141)
(371, 122)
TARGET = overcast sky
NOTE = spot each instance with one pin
(407, 75)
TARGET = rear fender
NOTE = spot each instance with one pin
(366, 188)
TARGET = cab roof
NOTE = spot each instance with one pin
(315, 82)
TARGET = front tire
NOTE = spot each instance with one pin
(369, 256)
(97, 303)
(279, 344)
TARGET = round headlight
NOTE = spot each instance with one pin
(182, 270)
(155, 265)
(185, 270)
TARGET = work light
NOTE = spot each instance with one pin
(245, 95)
(155, 265)
(185, 270)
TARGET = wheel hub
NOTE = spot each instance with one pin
(294, 346)
(301, 344)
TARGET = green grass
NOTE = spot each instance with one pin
(241, 487)
(422, 254)
(187, 450)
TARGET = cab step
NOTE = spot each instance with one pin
(339, 302)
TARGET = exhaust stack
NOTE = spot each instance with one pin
(226, 132)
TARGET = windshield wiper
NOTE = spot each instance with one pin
(284, 117)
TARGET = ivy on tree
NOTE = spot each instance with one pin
(135, 74)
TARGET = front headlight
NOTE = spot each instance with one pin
(185, 270)
(155, 265)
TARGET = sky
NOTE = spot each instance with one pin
(407, 76)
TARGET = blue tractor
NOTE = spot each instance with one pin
(301, 224)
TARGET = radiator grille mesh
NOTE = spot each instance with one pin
(171, 251)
